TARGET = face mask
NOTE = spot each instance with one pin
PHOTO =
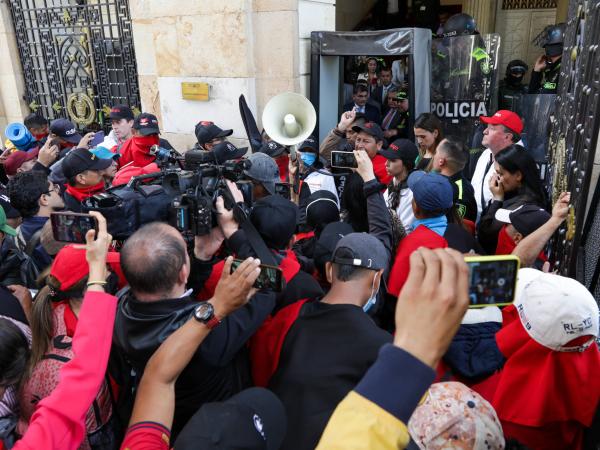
(308, 158)
(373, 298)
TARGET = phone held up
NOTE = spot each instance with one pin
(343, 160)
(72, 227)
(492, 280)
(270, 277)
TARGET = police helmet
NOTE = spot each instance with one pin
(459, 25)
(556, 35)
(516, 67)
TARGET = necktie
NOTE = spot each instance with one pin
(388, 119)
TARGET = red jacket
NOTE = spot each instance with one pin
(420, 237)
(59, 420)
(380, 171)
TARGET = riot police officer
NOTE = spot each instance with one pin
(546, 71)
(512, 87)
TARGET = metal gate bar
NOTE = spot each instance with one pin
(77, 56)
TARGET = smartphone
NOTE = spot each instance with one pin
(270, 277)
(283, 189)
(343, 160)
(492, 280)
(97, 140)
(72, 227)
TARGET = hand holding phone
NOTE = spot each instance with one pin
(492, 280)
(343, 160)
(72, 227)
(270, 277)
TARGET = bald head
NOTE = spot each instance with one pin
(152, 259)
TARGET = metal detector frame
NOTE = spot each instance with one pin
(326, 71)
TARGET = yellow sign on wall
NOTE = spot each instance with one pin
(194, 91)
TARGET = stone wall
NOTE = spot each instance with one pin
(249, 47)
(12, 106)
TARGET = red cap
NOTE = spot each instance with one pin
(507, 118)
(17, 159)
(70, 266)
(127, 173)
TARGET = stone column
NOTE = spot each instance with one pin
(484, 12)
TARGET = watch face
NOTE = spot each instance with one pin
(204, 311)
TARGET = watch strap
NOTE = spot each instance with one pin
(212, 322)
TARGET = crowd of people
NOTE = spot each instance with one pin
(163, 339)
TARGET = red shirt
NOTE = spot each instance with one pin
(421, 237)
(146, 436)
(380, 171)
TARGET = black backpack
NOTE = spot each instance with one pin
(19, 267)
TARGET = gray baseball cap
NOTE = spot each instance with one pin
(264, 170)
(368, 251)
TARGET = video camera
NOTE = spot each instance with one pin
(183, 193)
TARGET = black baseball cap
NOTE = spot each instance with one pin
(272, 149)
(146, 124)
(325, 245)
(367, 251)
(253, 419)
(310, 144)
(65, 130)
(119, 112)
(370, 128)
(275, 219)
(207, 131)
(81, 159)
(401, 149)
(226, 151)
(526, 218)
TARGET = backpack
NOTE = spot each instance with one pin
(100, 428)
(19, 267)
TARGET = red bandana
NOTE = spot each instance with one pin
(136, 151)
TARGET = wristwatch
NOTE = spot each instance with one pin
(205, 313)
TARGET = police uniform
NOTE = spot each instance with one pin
(546, 81)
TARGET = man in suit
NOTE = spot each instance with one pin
(380, 94)
(360, 96)
(395, 120)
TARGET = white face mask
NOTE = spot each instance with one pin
(373, 298)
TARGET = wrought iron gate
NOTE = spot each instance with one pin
(573, 140)
(77, 56)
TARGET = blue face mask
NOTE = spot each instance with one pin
(308, 158)
(373, 298)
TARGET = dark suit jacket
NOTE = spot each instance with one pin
(370, 112)
(399, 122)
(377, 96)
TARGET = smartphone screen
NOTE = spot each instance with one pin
(492, 280)
(343, 160)
(98, 139)
(72, 227)
(270, 277)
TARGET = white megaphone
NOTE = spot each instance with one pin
(289, 118)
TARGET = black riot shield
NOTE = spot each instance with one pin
(464, 81)
(537, 111)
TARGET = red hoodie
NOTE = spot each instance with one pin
(59, 420)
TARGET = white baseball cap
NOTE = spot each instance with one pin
(554, 310)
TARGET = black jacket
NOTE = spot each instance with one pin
(218, 370)
(464, 196)
(326, 352)
(488, 227)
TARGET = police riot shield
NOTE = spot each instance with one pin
(536, 111)
(464, 82)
